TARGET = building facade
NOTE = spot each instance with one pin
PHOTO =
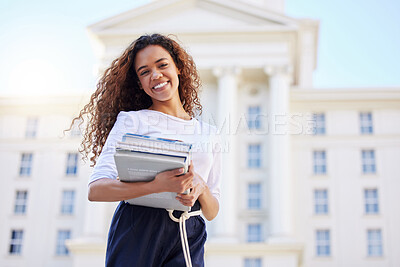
(310, 176)
(44, 182)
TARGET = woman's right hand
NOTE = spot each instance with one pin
(174, 181)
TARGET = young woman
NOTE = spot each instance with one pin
(152, 89)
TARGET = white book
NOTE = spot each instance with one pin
(154, 150)
(133, 166)
(137, 166)
(155, 142)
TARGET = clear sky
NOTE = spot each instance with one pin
(44, 46)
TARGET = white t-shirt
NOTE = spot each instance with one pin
(206, 151)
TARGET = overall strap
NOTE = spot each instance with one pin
(182, 230)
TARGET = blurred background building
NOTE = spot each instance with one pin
(311, 176)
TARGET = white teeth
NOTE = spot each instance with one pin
(160, 85)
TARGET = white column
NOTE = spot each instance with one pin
(307, 47)
(95, 225)
(88, 250)
(279, 157)
(226, 222)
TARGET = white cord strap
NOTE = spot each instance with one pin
(182, 230)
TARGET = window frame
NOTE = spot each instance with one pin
(20, 204)
(76, 130)
(252, 262)
(323, 243)
(61, 248)
(31, 127)
(253, 119)
(254, 156)
(254, 233)
(374, 246)
(16, 242)
(71, 168)
(68, 202)
(254, 198)
(368, 161)
(366, 123)
(25, 167)
(319, 127)
(319, 162)
(321, 204)
(371, 201)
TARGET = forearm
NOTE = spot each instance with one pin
(115, 190)
(209, 204)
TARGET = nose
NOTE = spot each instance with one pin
(156, 75)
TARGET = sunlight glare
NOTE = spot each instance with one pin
(36, 77)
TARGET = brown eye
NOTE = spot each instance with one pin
(144, 72)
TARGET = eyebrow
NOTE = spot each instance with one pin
(142, 67)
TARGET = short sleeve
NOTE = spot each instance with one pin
(214, 178)
(105, 164)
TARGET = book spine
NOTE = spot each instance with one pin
(157, 142)
(157, 145)
(132, 147)
(152, 156)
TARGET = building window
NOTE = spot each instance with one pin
(252, 262)
(76, 128)
(371, 201)
(366, 126)
(31, 127)
(319, 162)
(26, 164)
(72, 164)
(374, 237)
(321, 201)
(21, 198)
(254, 196)
(254, 121)
(254, 233)
(16, 242)
(68, 199)
(368, 161)
(323, 243)
(319, 124)
(254, 156)
(62, 236)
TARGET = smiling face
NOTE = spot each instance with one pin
(158, 74)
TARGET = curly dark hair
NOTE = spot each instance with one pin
(119, 90)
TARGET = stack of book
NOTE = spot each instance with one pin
(139, 158)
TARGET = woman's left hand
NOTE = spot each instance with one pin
(198, 188)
